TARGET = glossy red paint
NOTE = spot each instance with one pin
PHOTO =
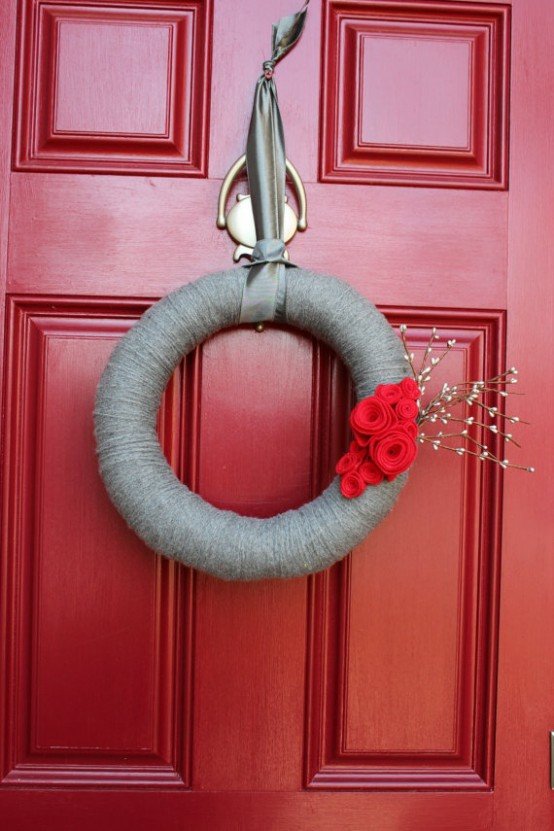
(415, 93)
(146, 72)
(410, 686)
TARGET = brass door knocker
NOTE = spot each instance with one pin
(240, 219)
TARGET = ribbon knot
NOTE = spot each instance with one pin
(269, 251)
(265, 287)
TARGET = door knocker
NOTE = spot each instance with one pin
(239, 221)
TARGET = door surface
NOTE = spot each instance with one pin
(411, 686)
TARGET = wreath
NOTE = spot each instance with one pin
(173, 520)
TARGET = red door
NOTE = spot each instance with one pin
(410, 687)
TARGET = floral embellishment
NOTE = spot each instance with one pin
(347, 463)
(370, 473)
(352, 484)
(391, 393)
(372, 417)
(385, 434)
(389, 425)
(410, 427)
(410, 389)
(357, 450)
(407, 409)
(470, 416)
(394, 453)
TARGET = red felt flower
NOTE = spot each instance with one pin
(407, 409)
(360, 440)
(352, 484)
(357, 449)
(385, 434)
(410, 427)
(370, 473)
(371, 417)
(410, 389)
(394, 453)
(350, 461)
(391, 393)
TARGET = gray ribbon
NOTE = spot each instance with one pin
(265, 287)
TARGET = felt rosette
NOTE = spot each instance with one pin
(385, 434)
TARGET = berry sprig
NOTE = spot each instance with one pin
(445, 407)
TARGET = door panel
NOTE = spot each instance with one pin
(415, 93)
(99, 663)
(404, 631)
(145, 70)
(407, 687)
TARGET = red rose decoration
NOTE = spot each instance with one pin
(410, 389)
(407, 409)
(360, 440)
(391, 393)
(385, 434)
(372, 417)
(348, 462)
(394, 453)
(370, 473)
(352, 485)
(357, 450)
(410, 427)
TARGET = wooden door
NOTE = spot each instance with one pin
(410, 687)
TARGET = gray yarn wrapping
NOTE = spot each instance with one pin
(164, 512)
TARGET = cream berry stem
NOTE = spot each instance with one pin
(441, 408)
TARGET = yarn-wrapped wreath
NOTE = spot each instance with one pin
(178, 523)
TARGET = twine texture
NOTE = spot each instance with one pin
(162, 511)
